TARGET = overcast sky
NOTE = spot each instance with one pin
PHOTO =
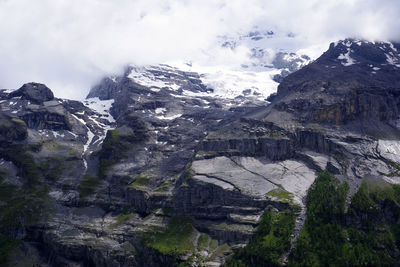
(70, 44)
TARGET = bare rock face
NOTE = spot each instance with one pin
(352, 80)
(35, 92)
(51, 115)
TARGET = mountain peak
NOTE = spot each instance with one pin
(353, 51)
(352, 81)
(350, 61)
(35, 92)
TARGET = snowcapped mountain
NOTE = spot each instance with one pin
(254, 74)
(114, 176)
(375, 55)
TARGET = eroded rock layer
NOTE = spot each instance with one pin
(156, 176)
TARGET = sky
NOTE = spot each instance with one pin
(71, 44)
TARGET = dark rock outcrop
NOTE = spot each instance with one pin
(352, 80)
(12, 129)
(35, 92)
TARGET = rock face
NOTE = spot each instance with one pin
(35, 92)
(352, 80)
(12, 129)
(161, 158)
(50, 116)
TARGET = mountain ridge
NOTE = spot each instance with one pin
(117, 182)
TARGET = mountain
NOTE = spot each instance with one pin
(257, 63)
(158, 168)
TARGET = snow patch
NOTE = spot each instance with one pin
(346, 57)
(160, 110)
(392, 60)
(56, 134)
(101, 106)
(172, 117)
(389, 149)
(90, 136)
(144, 76)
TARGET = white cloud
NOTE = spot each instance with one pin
(70, 44)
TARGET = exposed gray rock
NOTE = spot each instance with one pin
(35, 92)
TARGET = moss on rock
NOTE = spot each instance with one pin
(12, 129)
(88, 185)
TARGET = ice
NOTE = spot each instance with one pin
(230, 82)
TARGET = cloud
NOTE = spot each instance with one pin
(71, 44)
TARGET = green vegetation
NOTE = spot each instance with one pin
(52, 168)
(321, 241)
(218, 251)
(23, 206)
(168, 210)
(164, 187)
(20, 207)
(12, 128)
(20, 156)
(270, 242)
(375, 208)
(88, 185)
(281, 195)
(140, 182)
(15, 129)
(179, 239)
(4, 173)
(203, 242)
(6, 246)
(362, 202)
(176, 240)
(110, 152)
(116, 145)
(188, 173)
(361, 237)
(122, 218)
(61, 150)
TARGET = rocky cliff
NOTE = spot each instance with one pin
(166, 173)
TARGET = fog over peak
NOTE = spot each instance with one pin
(70, 45)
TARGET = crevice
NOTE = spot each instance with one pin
(257, 174)
(219, 179)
